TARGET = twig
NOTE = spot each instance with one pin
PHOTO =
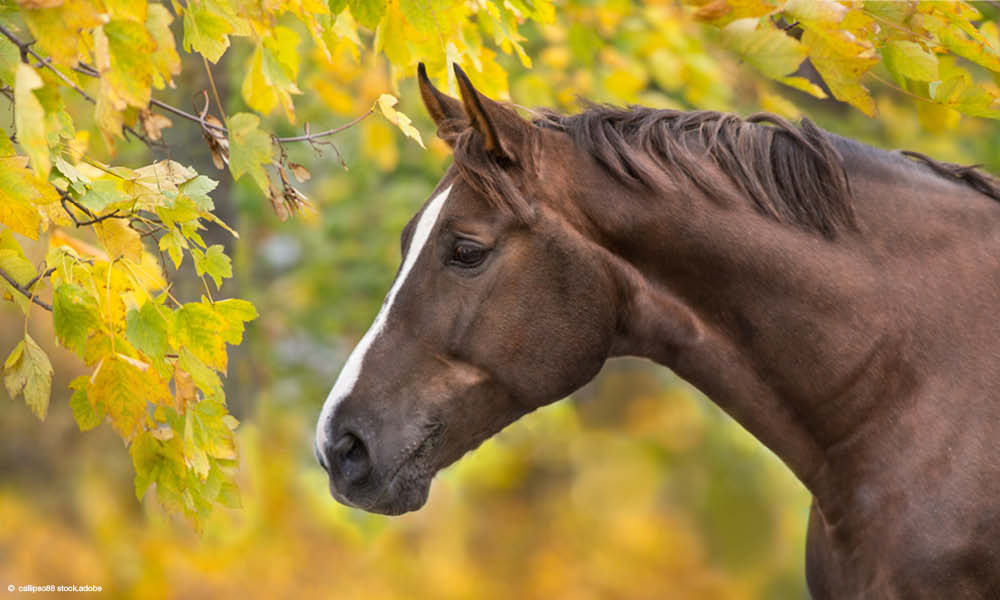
(26, 50)
(215, 92)
(313, 136)
(13, 283)
(38, 277)
(90, 71)
(66, 199)
(187, 115)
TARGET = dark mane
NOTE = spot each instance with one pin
(794, 175)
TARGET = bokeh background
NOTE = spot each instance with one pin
(636, 487)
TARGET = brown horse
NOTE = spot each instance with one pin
(841, 302)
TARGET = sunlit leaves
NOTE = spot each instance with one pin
(273, 70)
(249, 148)
(125, 68)
(198, 328)
(842, 74)
(909, 60)
(119, 240)
(845, 41)
(21, 192)
(122, 386)
(27, 370)
(764, 46)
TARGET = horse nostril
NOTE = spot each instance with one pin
(352, 456)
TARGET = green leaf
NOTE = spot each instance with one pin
(909, 60)
(75, 313)
(86, 414)
(102, 193)
(213, 263)
(198, 328)
(197, 189)
(764, 46)
(205, 31)
(249, 148)
(235, 312)
(336, 6)
(367, 12)
(10, 57)
(29, 119)
(28, 370)
(147, 329)
(174, 243)
(954, 39)
(204, 377)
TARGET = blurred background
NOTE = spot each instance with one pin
(636, 487)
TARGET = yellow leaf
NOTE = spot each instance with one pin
(767, 48)
(28, 370)
(119, 239)
(165, 59)
(58, 29)
(386, 102)
(842, 74)
(21, 194)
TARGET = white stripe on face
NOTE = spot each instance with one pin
(352, 368)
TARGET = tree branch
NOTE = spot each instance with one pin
(26, 51)
(26, 290)
(309, 137)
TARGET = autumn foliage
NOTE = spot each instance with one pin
(83, 76)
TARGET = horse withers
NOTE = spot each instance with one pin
(842, 303)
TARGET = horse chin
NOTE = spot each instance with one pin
(406, 492)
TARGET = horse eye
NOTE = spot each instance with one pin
(468, 254)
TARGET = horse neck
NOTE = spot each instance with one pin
(797, 336)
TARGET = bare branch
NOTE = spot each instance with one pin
(24, 290)
(320, 134)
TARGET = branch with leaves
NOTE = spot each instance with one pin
(155, 361)
(944, 54)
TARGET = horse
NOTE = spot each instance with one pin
(840, 302)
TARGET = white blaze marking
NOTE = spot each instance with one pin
(352, 368)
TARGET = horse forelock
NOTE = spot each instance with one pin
(490, 175)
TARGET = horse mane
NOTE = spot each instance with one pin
(792, 174)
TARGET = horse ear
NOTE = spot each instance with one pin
(440, 106)
(502, 129)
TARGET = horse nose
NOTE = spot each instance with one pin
(347, 460)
